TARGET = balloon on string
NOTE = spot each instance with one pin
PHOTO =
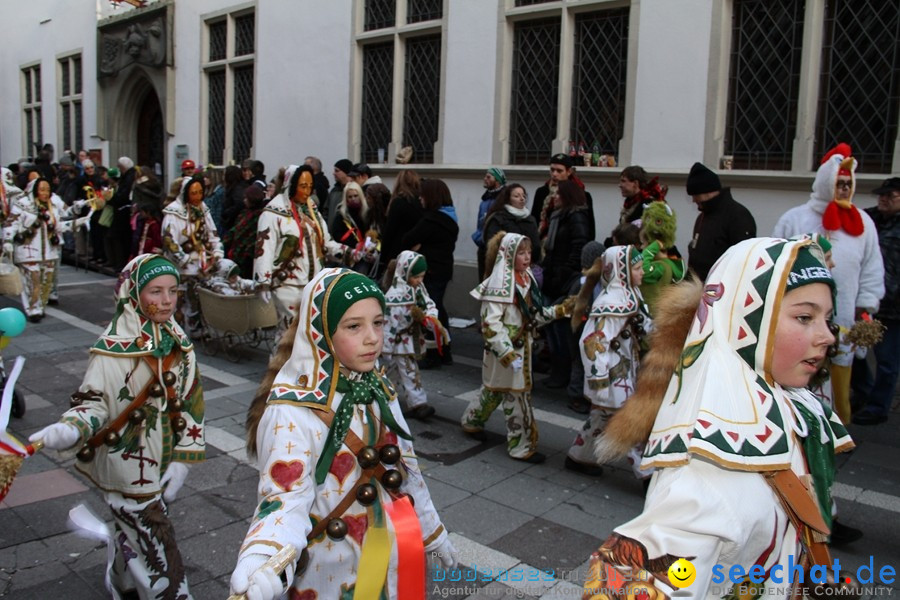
(12, 321)
(4, 342)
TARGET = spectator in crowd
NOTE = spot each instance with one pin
(253, 170)
(632, 181)
(434, 237)
(146, 196)
(508, 212)
(404, 213)
(561, 169)
(879, 391)
(858, 269)
(241, 239)
(494, 180)
(342, 169)
(188, 168)
(320, 180)
(723, 222)
(350, 229)
(567, 233)
(361, 173)
(233, 202)
(119, 234)
(214, 195)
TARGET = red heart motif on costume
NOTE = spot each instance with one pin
(286, 474)
(388, 438)
(309, 594)
(342, 465)
(356, 526)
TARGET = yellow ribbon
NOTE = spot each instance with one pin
(373, 563)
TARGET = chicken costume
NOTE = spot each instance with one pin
(318, 489)
(140, 409)
(292, 243)
(724, 432)
(410, 312)
(512, 307)
(858, 268)
(610, 349)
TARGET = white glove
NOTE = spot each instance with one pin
(517, 364)
(251, 578)
(7, 247)
(81, 222)
(444, 552)
(265, 296)
(173, 479)
(58, 436)
(78, 204)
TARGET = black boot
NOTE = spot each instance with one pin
(432, 360)
(560, 369)
(447, 356)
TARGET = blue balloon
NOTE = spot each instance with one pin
(12, 321)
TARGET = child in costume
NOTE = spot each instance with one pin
(411, 311)
(511, 308)
(228, 281)
(336, 460)
(744, 452)
(662, 264)
(191, 242)
(138, 420)
(610, 347)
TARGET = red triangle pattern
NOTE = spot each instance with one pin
(733, 435)
(704, 424)
(765, 435)
(748, 300)
(762, 397)
(761, 263)
(742, 333)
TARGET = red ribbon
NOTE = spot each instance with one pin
(410, 550)
(435, 326)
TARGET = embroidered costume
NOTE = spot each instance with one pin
(138, 410)
(511, 308)
(726, 432)
(610, 351)
(292, 243)
(411, 312)
(191, 242)
(334, 453)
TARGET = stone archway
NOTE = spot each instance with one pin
(151, 141)
(137, 121)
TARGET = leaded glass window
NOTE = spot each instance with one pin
(422, 91)
(598, 82)
(380, 14)
(244, 35)
(216, 116)
(531, 2)
(377, 97)
(423, 10)
(859, 90)
(766, 49)
(218, 37)
(535, 86)
(70, 103)
(243, 112)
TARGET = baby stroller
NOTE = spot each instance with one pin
(234, 321)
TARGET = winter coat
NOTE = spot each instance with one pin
(562, 248)
(723, 222)
(436, 235)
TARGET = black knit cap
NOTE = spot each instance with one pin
(701, 180)
(344, 165)
(562, 159)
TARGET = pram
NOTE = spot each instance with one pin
(234, 321)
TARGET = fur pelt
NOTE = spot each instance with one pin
(387, 279)
(490, 255)
(633, 422)
(584, 299)
(258, 405)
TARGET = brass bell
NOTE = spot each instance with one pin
(831, 350)
(639, 318)
(392, 479)
(280, 275)
(86, 454)
(834, 328)
(626, 333)
(390, 454)
(641, 332)
(111, 438)
(175, 404)
(178, 423)
(54, 240)
(367, 457)
(336, 529)
(366, 494)
(45, 216)
(822, 373)
(137, 416)
(73, 402)
(157, 390)
(169, 378)
(187, 247)
(614, 344)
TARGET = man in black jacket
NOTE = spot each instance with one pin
(723, 222)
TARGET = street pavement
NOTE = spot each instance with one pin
(539, 523)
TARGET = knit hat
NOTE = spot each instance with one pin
(113, 173)
(498, 174)
(701, 180)
(418, 267)
(153, 268)
(347, 291)
(344, 165)
(591, 252)
(808, 268)
(635, 256)
(562, 159)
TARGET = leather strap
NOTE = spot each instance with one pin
(797, 501)
(355, 444)
(116, 424)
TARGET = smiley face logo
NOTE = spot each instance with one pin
(682, 573)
